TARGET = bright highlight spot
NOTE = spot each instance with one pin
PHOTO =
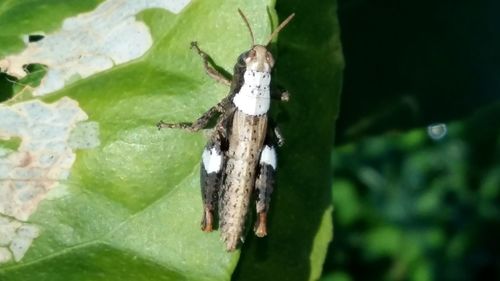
(437, 131)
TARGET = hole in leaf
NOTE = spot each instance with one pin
(35, 37)
(12, 143)
(36, 72)
(6, 86)
(9, 85)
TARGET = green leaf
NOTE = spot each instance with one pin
(130, 208)
(25, 17)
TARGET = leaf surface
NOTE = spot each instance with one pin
(131, 206)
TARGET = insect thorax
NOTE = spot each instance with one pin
(254, 95)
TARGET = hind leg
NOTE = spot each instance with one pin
(264, 187)
(211, 172)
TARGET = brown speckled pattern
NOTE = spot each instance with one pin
(246, 139)
(264, 188)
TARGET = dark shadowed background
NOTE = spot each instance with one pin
(416, 171)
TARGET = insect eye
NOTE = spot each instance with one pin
(252, 54)
(270, 59)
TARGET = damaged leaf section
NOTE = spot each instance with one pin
(89, 43)
(15, 238)
(43, 158)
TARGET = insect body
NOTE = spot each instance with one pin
(239, 161)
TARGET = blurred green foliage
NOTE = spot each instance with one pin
(408, 206)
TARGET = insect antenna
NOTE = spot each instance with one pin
(248, 26)
(279, 28)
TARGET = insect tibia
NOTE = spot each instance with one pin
(210, 177)
(184, 125)
(260, 228)
(207, 220)
(209, 67)
(264, 188)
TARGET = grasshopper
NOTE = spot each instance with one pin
(239, 161)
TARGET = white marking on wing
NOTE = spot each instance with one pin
(212, 160)
(268, 156)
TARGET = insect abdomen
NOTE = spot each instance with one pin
(246, 140)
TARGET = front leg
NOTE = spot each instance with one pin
(211, 71)
(211, 171)
(195, 126)
(275, 135)
(280, 94)
(201, 122)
